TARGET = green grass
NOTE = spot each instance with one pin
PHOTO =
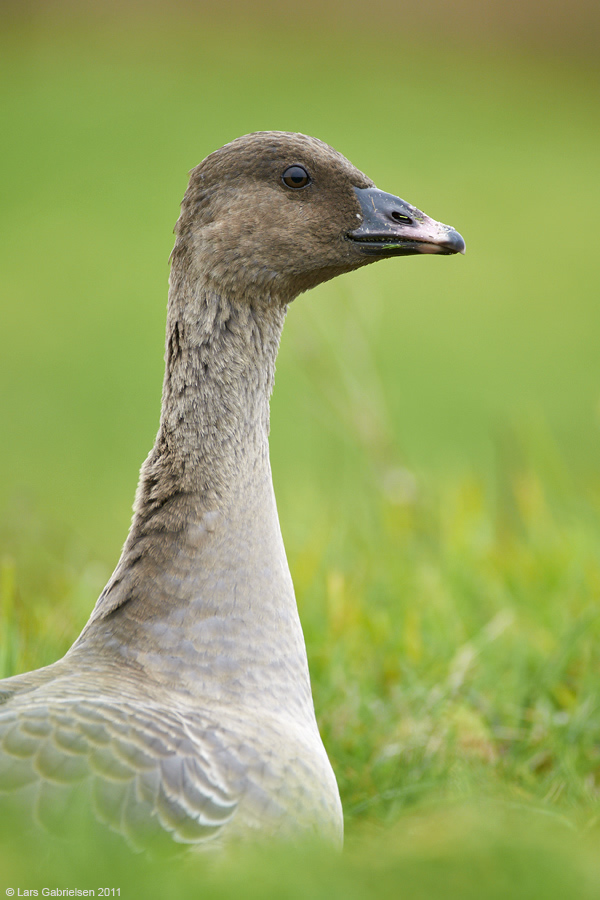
(434, 428)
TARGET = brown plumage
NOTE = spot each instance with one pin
(184, 708)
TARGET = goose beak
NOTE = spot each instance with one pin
(392, 227)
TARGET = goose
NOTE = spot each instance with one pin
(184, 708)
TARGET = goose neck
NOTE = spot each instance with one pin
(220, 366)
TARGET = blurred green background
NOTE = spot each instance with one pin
(435, 422)
(104, 113)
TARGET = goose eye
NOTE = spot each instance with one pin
(295, 177)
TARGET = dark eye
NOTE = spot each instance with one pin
(295, 177)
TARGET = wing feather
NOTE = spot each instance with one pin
(142, 769)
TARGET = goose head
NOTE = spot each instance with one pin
(275, 213)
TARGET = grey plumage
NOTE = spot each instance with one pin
(184, 708)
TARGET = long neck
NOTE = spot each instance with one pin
(220, 366)
(202, 596)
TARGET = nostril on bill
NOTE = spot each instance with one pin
(404, 220)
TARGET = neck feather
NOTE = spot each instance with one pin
(202, 598)
(220, 368)
(210, 464)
